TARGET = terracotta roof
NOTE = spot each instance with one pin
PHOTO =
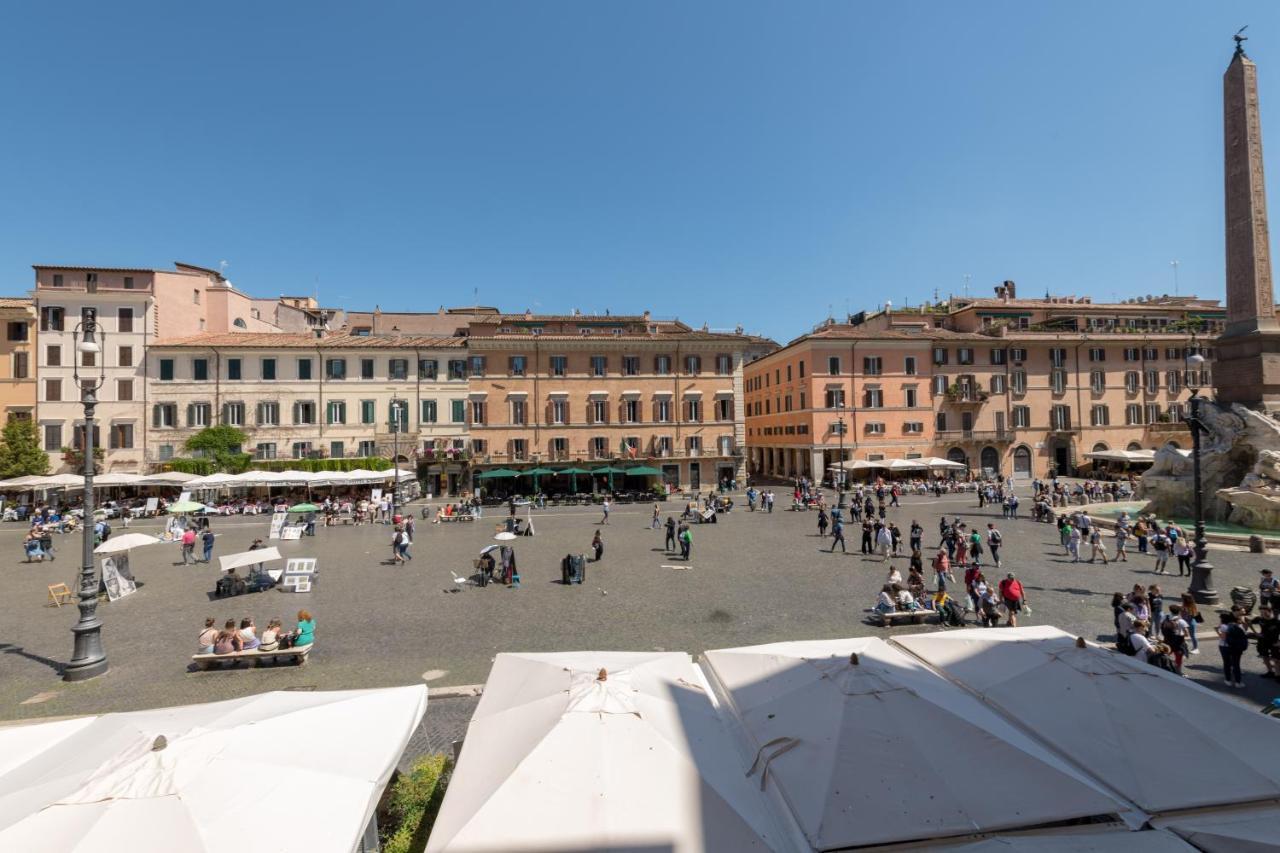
(96, 269)
(619, 319)
(439, 323)
(302, 340)
(15, 302)
(1088, 306)
(855, 333)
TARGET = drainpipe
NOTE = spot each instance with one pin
(320, 413)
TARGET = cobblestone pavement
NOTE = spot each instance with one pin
(753, 578)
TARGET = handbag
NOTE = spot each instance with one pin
(1200, 618)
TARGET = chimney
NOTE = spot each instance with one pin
(577, 312)
(646, 316)
(1011, 289)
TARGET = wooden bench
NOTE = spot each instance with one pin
(460, 517)
(298, 654)
(908, 617)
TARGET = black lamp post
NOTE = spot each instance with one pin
(1201, 570)
(840, 471)
(397, 422)
(88, 660)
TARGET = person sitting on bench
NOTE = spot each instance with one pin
(305, 633)
(248, 635)
(270, 640)
(228, 639)
(886, 601)
(208, 637)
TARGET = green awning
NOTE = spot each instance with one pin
(497, 472)
(574, 471)
(538, 472)
(645, 471)
(609, 469)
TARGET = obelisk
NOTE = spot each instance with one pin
(1246, 366)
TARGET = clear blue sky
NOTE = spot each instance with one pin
(728, 162)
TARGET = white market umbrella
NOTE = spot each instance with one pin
(248, 558)
(191, 778)
(861, 742)
(116, 479)
(859, 465)
(557, 758)
(24, 483)
(61, 481)
(945, 464)
(906, 465)
(124, 542)
(167, 478)
(213, 481)
(1082, 701)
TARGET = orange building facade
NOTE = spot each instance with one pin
(595, 388)
(1013, 386)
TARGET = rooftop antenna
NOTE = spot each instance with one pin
(966, 284)
(1174, 264)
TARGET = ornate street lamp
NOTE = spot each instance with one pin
(398, 417)
(88, 660)
(1201, 570)
(840, 471)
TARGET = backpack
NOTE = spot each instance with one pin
(1237, 639)
(951, 615)
(1173, 636)
(995, 537)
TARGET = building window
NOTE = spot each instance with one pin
(429, 413)
(477, 365)
(235, 371)
(872, 398)
(1133, 414)
(939, 355)
(631, 365)
(1097, 354)
(335, 369)
(1175, 412)
(871, 365)
(124, 390)
(1173, 381)
(198, 415)
(479, 446)
(662, 411)
(195, 296)
(694, 443)
(912, 367)
(164, 415)
(909, 398)
(835, 398)
(53, 356)
(875, 428)
(724, 408)
(57, 280)
(1100, 416)
(939, 384)
(457, 411)
(600, 447)
(997, 356)
(662, 365)
(398, 415)
(428, 368)
(121, 436)
(559, 448)
(53, 390)
(398, 368)
(53, 437)
(516, 365)
(21, 365)
(336, 450)
(559, 412)
(833, 365)
(997, 384)
(693, 410)
(128, 282)
(1017, 354)
(1132, 354)
(599, 411)
(457, 368)
(477, 412)
(1151, 411)
(233, 414)
(630, 411)
(1058, 357)
(301, 449)
(519, 413)
(366, 448)
(268, 414)
(200, 369)
(335, 412)
(17, 331)
(304, 369)
(304, 413)
(559, 364)
(52, 319)
(964, 355)
(269, 369)
(913, 426)
(124, 319)
(693, 365)
(724, 366)
(1131, 382)
(1021, 417)
(1153, 381)
(1097, 381)
(166, 452)
(124, 357)
(1150, 353)
(1058, 381)
(599, 365)
(366, 368)
(368, 411)
(1060, 418)
(940, 421)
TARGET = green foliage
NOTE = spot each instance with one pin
(370, 463)
(221, 444)
(412, 803)
(75, 459)
(20, 452)
(201, 467)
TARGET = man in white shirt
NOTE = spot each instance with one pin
(1142, 648)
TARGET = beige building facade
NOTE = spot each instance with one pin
(299, 396)
(598, 388)
(1012, 386)
(17, 358)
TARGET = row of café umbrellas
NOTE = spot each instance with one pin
(925, 463)
(356, 477)
(571, 473)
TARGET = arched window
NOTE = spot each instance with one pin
(1100, 447)
(1133, 445)
(239, 323)
(955, 454)
(1022, 460)
(990, 459)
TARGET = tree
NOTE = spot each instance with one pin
(221, 444)
(20, 453)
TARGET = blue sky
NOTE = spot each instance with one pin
(723, 162)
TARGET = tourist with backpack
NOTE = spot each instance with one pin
(1160, 543)
(1174, 631)
(994, 541)
(1232, 643)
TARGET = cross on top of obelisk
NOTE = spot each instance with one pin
(1240, 40)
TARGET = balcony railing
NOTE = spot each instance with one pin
(974, 435)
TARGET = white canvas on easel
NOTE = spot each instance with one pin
(118, 584)
(277, 525)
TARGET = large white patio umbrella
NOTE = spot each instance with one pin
(1081, 700)
(906, 465)
(600, 751)
(279, 772)
(167, 478)
(944, 464)
(862, 744)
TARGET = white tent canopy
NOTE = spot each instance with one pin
(876, 742)
(558, 759)
(202, 777)
(1254, 830)
(1126, 456)
(1091, 715)
(125, 542)
(1065, 840)
(248, 558)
